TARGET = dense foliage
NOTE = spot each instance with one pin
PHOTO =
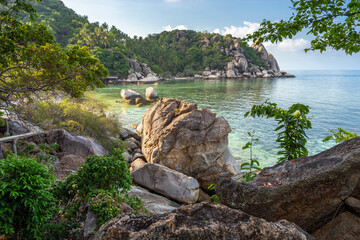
(85, 116)
(103, 183)
(31, 64)
(25, 199)
(340, 136)
(334, 23)
(167, 53)
(293, 123)
(187, 51)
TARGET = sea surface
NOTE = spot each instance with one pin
(333, 96)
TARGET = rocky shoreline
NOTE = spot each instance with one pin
(239, 67)
(179, 151)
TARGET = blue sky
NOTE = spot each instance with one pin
(238, 17)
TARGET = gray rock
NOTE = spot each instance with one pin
(151, 77)
(154, 203)
(151, 94)
(346, 226)
(127, 157)
(167, 182)
(132, 77)
(243, 65)
(198, 222)
(90, 224)
(205, 43)
(273, 63)
(231, 74)
(124, 133)
(138, 162)
(78, 145)
(189, 140)
(132, 143)
(130, 96)
(354, 204)
(307, 191)
(247, 74)
(17, 128)
(137, 155)
(215, 38)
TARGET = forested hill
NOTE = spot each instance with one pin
(169, 53)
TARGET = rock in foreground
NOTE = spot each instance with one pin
(167, 182)
(189, 140)
(199, 222)
(308, 191)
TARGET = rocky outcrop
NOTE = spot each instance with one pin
(307, 191)
(199, 222)
(167, 182)
(151, 94)
(154, 203)
(346, 226)
(139, 72)
(242, 67)
(192, 141)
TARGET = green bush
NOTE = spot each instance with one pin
(86, 117)
(25, 200)
(102, 181)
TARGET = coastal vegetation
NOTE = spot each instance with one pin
(45, 83)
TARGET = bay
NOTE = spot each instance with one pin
(333, 96)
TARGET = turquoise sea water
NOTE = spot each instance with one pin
(334, 98)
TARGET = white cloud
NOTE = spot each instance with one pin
(171, 1)
(169, 28)
(241, 31)
(288, 45)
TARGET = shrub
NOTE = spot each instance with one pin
(86, 117)
(25, 200)
(252, 164)
(292, 138)
(340, 136)
(102, 181)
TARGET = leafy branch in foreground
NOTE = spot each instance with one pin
(294, 122)
(253, 164)
(334, 23)
(340, 136)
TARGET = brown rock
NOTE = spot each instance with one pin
(307, 191)
(137, 163)
(189, 140)
(346, 226)
(199, 222)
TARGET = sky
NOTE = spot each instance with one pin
(237, 17)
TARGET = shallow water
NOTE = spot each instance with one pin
(332, 96)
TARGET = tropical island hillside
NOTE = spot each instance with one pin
(177, 53)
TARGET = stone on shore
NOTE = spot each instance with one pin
(151, 94)
(130, 96)
(167, 182)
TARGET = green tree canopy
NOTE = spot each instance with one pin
(32, 64)
(334, 23)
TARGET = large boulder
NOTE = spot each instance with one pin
(154, 203)
(70, 144)
(346, 226)
(307, 191)
(189, 140)
(199, 222)
(273, 65)
(151, 94)
(130, 96)
(167, 182)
